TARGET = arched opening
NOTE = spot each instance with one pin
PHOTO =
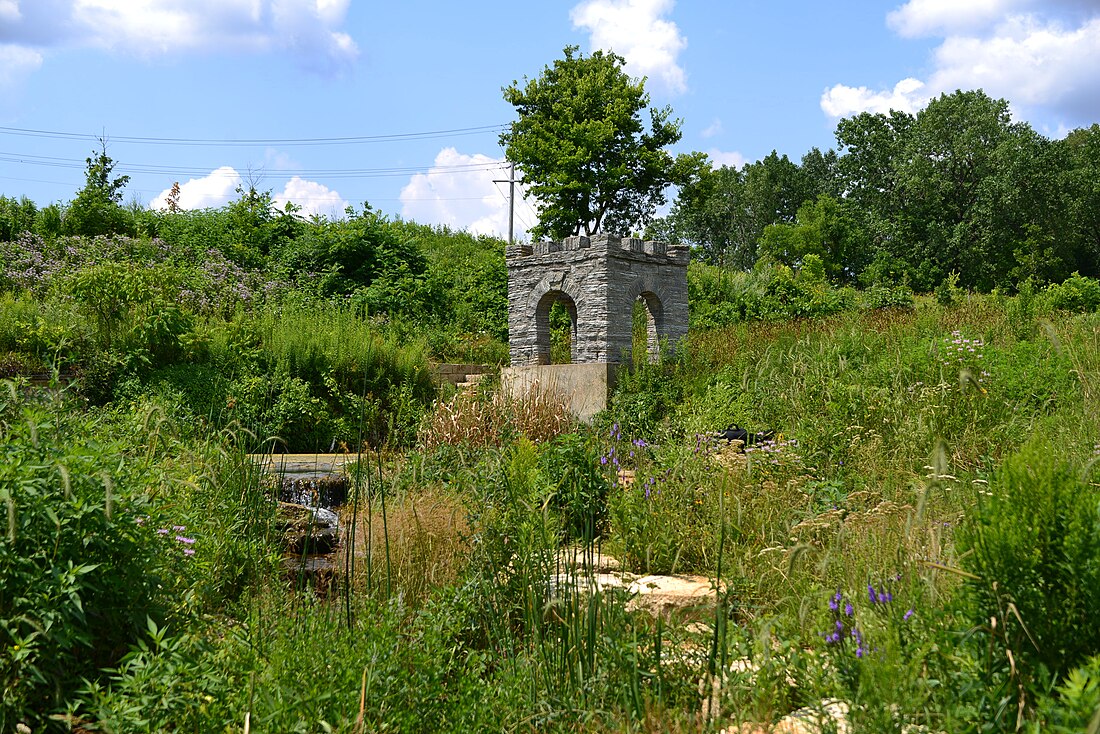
(645, 322)
(556, 328)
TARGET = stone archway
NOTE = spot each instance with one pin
(543, 335)
(654, 327)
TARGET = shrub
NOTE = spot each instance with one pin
(645, 396)
(570, 463)
(1075, 293)
(720, 297)
(85, 557)
(1034, 552)
(887, 296)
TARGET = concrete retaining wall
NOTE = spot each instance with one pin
(584, 387)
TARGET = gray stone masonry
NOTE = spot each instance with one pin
(598, 279)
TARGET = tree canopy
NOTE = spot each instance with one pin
(582, 149)
(956, 191)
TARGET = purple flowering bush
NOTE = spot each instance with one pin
(880, 645)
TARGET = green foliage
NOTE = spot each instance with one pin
(643, 397)
(16, 217)
(580, 489)
(887, 296)
(828, 230)
(1034, 551)
(97, 209)
(81, 561)
(367, 259)
(1074, 705)
(50, 221)
(1075, 293)
(582, 149)
(316, 375)
(724, 211)
(720, 297)
(139, 323)
(167, 682)
(304, 671)
(561, 334)
(669, 521)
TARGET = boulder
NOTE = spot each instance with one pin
(665, 595)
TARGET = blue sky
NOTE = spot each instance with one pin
(412, 88)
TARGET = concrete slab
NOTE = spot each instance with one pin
(297, 466)
(584, 387)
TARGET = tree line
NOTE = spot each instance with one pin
(957, 192)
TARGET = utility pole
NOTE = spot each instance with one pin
(511, 181)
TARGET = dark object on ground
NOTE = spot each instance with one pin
(736, 433)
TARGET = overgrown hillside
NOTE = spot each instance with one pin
(913, 540)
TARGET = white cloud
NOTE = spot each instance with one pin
(637, 31)
(220, 187)
(215, 190)
(953, 17)
(842, 101)
(458, 191)
(730, 158)
(308, 28)
(1041, 55)
(17, 63)
(9, 11)
(314, 199)
(712, 129)
(926, 17)
(1034, 64)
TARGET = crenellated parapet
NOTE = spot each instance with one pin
(599, 243)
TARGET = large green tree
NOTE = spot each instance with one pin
(827, 228)
(723, 211)
(1080, 180)
(583, 150)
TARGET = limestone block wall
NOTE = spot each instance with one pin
(598, 279)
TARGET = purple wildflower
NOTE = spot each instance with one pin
(908, 614)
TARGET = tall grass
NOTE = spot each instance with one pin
(318, 340)
(462, 611)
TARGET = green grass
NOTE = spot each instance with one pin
(892, 435)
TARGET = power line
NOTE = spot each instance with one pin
(244, 142)
(207, 171)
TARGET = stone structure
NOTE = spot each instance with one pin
(598, 280)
